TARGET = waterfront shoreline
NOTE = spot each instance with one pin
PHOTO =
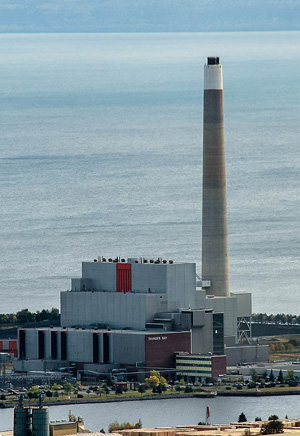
(162, 397)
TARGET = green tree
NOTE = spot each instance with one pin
(258, 317)
(271, 318)
(33, 392)
(44, 314)
(280, 377)
(78, 386)
(119, 390)
(100, 391)
(54, 314)
(254, 374)
(273, 427)
(290, 374)
(142, 389)
(272, 418)
(68, 388)
(49, 394)
(55, 387)
(159, 389)
(24, 316)
(188, 389)
(271, 376)
(277, 318)
(242, 418)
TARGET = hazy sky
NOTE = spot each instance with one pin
(148, 15)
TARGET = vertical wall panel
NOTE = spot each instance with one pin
(123, 277)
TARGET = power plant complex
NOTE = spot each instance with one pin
(143, 314)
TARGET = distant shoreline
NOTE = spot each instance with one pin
(140, 32)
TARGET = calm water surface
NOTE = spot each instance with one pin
(161, 413)
(101, 152)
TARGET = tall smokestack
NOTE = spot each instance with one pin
(215, 265)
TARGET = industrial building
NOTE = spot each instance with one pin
(140, 312)
(134, 313)
(140, 318)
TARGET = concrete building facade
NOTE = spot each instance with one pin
(154, 287)
(106, 321)
(54, 347)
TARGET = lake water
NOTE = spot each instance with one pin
(101, 152)
(161, 413)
